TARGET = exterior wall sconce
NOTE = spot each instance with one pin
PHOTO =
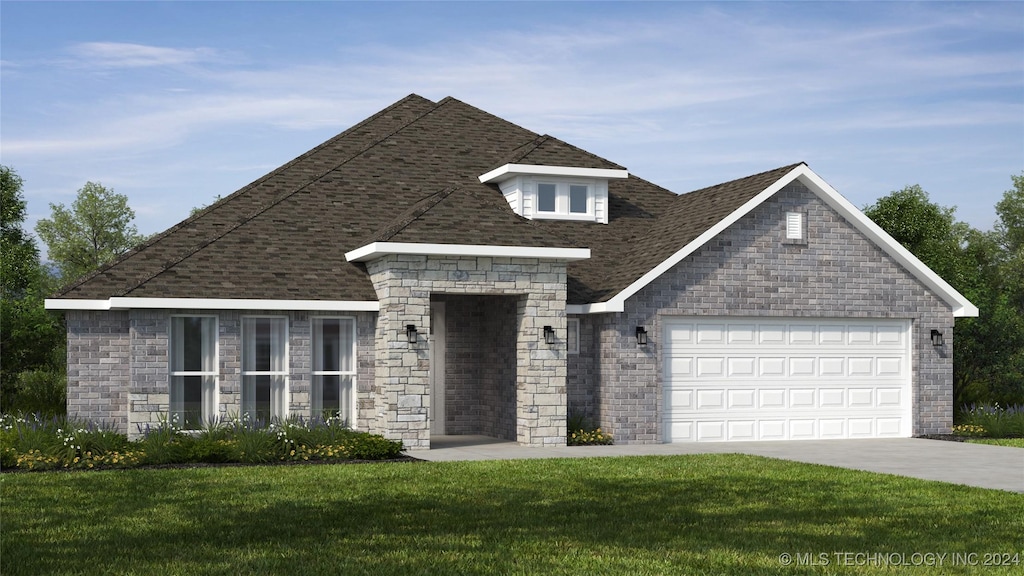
(641, 336)
(410, 333)
(937, 339)
(549, 335)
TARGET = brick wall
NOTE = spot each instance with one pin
(750, 270)
(480, 377)
(99, 369)
(118, 367)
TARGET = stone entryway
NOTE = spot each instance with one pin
(473, 365)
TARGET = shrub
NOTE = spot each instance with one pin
(581, 433)
(991, 421)
(40, 391)
(38, 443)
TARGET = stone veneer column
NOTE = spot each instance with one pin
(404, 283)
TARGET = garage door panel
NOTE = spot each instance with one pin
(710, 333)
(802, 367)
(832, 398)
(711, 367)
(802, 398)
(756, 379)
(740, 430)
(772, 398)
(772, 366)
(741, 399)
(890, 397)
(861, 428)
(741, 366)
(710, 399)
(832, 428)
(892, 367)
(712, 430)
(772, 430)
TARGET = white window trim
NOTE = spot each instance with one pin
(563, 199)
(573, 326)
(209, 412)
(355, 362)
(285, 373)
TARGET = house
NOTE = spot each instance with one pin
(436, 270)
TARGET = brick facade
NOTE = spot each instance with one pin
(502, 380)
(751, 270)
(118, 367)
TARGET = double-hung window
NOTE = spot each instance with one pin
(193, 356)
(265, 368)
(334, 367)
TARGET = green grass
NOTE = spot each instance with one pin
(1015, 442)
(701, 514)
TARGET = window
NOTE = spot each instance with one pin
(546, 197)
(193, 369)
(573, 335)
(334, 351)
(265, 368)
(578, 195)
(565, 199)
(794, 226)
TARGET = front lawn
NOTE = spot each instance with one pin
(1016, 442)
(701, 514)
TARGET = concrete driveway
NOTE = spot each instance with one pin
(981, 465)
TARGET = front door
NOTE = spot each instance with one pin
(437, 353)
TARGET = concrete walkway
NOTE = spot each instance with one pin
(981, 465)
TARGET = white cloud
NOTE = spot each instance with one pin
(127, 55)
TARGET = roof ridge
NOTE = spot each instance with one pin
(787, 168)
(530, 147)
(239, 193)
(411, 214)
(550, 138)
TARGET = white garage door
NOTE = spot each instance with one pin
(786, 379)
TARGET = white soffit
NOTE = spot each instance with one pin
(510, 170)
(122, 303)
(378, 249)
(961, 306)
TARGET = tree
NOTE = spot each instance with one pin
(32, 339)
(987, 268)
(928, 230)
(96, 229)
(19, 258)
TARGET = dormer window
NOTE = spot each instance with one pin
(555, 192)
(554, 198)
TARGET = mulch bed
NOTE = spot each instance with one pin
(190, 465)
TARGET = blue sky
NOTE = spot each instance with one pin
(175, 103)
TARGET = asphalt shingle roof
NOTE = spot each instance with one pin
(406, 174)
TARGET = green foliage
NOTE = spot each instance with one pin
(991, 421)
(721, 514)
(31, 338)
(19, 257)
(37, 442)
(928, 230)
(579, 432)
(987, 268)
(96, 229)
(41, 391)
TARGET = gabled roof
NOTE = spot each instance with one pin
(408, 178)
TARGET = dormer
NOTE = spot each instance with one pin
(555, 192)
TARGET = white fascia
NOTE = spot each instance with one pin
(961, 306)
(122, 303)
(511, 170)
(378, 249)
